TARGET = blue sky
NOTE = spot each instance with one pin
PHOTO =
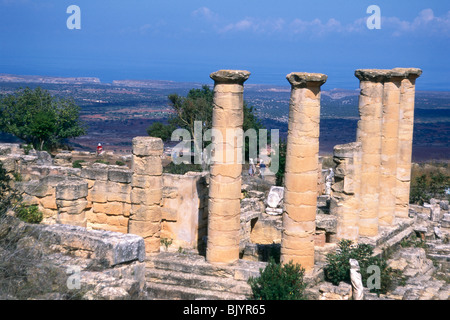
(186, 40)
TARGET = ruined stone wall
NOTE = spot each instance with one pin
(108, 197)
(104, 202)
(185, 209)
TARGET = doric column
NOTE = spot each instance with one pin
(405, 137)
(302, 163)
(389, 145)
(369, 135)
(146, 191)
(226, 167)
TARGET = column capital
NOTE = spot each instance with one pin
(384, 75)
(304, 79)
(230, 76)
(410, 73)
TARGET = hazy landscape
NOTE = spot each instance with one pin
(118, 111)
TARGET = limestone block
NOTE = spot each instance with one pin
(99, 192)
(146, 213)
(147, 146)
(146, 196)
(118, 192)
(146, 181)
(71, 190)
(109, 208)
(119, 175)
(96, 172)
(149, 165)
(144, 229)
(72, 207)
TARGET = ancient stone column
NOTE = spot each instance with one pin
(405, 137)
(389, 145)
(345, 202)
(146, 191)
(302, 163)
(226, 167)
(369, 135)
(71, 202)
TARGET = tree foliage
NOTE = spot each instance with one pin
(39, 118)
(197, 106)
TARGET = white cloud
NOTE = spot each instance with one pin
(426, 22)
(205, 13)
(255, 25)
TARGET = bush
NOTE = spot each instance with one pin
(338, 266)
(429, 180)
(182, 168)
(30, 214)
(279, 282)
(77, 164)
(9, 197)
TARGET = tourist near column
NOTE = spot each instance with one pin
(369, 135)
(389, 145)
(226, 168)
(405, 138)
(302, 165)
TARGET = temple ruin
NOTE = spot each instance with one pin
(368, 200)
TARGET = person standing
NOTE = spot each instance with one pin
(262, 168)
(251, 168)
(99, 149)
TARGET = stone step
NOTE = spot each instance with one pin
(162, 291)
(203, 282)
(196, 264)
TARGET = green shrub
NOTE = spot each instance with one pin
(30, 214)
(338, 266)
(9, 197)
(77, 164)
(102, 161)
(182, 168)
(120, 163)
(27, 148)
(279, 282)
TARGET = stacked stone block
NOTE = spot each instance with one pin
(146, 191)
(226, 167)
(71, 202)
(345, 202)
(405, 138)
(302, 166)
(109, 196)
(385, 129)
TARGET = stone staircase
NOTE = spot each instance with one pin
(178, 276)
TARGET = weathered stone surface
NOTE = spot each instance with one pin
(147, 146)
(302, 79)
(302, 169)
(230, 76)
(71, 190)
(225, 171)
(275, 196)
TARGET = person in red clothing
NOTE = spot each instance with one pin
(99, 149)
